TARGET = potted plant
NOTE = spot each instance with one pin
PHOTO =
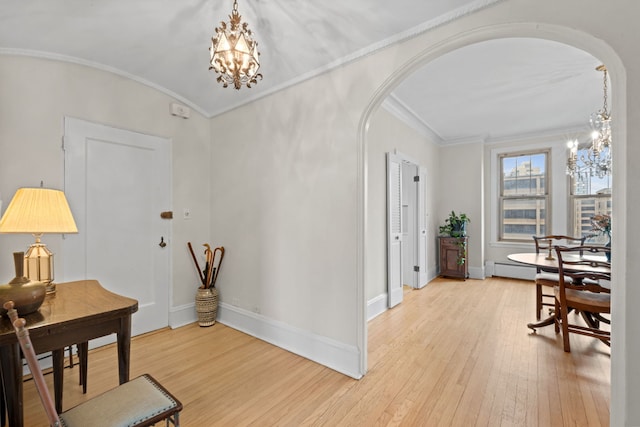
(602, 225)
(456, 226)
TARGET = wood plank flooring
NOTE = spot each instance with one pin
(454, 353)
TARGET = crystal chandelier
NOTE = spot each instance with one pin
(597, 159)
(234, 52)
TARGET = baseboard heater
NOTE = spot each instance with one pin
(514, 271)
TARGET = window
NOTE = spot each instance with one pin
(524, 195)
(590, 196)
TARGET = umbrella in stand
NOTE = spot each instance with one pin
(195, 260)
(208, 271)
(216, 269)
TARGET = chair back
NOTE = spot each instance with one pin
(587, 266)
(544, 242)
(27, 349)
(549, 242)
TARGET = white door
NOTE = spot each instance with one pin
(117, 183)
(422, 228)
(394, 229)
(409, 224)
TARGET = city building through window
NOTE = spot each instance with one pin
(590, 196)
(524, 195)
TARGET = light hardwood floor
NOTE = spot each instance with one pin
(454, 353)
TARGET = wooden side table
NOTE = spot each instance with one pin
(450, 254)
(78, 312)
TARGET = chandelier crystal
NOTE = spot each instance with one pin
(234, 53)
(597, 159)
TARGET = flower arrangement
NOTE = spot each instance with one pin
(601, 224)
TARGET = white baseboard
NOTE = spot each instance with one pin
(376, 306)
(182, 315)
(476, 273)
(325, 351)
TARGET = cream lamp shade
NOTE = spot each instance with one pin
(38, 211)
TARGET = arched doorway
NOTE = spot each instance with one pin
(564, 35)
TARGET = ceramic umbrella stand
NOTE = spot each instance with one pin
(207, 295)
(207, 306)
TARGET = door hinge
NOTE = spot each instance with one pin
(416, 178)
(416, 268)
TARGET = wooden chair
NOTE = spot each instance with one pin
(58, 374)
(139, 402)
(588, 291)
(550, 278)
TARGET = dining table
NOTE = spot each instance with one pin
(548, 262)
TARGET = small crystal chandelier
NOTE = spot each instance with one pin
(597, 160)
(234, 53)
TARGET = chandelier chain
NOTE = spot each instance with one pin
(605, 109)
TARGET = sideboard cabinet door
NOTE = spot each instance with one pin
(450, 248)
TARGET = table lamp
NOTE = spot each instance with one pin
(38, 211)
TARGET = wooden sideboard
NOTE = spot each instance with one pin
(450, 253)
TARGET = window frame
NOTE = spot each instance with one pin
(598, 197)
(545, 197)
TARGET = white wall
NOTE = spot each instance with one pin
(282, 195)
(388, 134)
(286, 171)
(604, 31)
(461, 190)
(36, 96)
(316, 124)
(498, 251)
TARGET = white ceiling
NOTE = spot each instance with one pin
(486, 91)
(503, 88)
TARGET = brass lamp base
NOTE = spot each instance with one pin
(38, 265)
(51, 288)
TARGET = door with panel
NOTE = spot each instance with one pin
(117, 183)
(394, 229)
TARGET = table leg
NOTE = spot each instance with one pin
(3, 407)
(593, 321)
(11, 365)
(124, 348)
(546, 322)
(58, 377)
(83, 355)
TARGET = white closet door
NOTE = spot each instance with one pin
(394, 229)
(423, 277)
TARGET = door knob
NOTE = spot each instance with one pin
(162, 243)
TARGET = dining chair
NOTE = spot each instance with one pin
(588, 292)
(58, 369)
(139, 402)
(546, 278)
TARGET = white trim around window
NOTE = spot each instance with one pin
(558, 186)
